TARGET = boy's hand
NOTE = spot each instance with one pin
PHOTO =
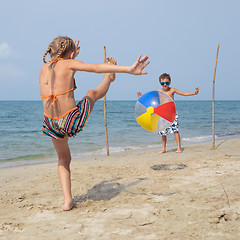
(139, 65)
(139, 94)
(196, 90)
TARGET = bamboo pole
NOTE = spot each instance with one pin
(105, 108)
(213, 104)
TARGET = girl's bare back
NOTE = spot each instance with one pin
(60, 81)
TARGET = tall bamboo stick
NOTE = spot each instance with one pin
(213, 105)
(105, 108)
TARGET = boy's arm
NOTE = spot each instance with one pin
(186, 93)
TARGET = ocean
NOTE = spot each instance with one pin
(22, 142)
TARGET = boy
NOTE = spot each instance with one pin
(165, 81)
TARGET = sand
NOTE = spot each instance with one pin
(136, 195)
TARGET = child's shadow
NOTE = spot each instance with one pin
(105, 190)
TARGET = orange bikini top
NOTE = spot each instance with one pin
(54, 96)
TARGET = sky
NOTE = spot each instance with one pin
(180, 38)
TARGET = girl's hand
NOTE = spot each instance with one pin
(139, 65)
(77, 47)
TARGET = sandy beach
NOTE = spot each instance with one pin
(136, 195)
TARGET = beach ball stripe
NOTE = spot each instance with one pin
(162, 124)
(150, 99)
(148, 121)
(155, 111)
(166, 111)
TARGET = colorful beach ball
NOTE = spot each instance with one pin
(155, 111)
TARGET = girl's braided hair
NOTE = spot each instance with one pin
(58, 48)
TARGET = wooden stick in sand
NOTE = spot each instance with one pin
(213, 106)
(105, 109)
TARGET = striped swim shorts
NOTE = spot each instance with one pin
(70, 124)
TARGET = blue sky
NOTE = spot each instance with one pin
(180, 37)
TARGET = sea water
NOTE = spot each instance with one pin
(22, 142)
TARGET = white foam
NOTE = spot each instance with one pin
(114, 150)
(197, 139)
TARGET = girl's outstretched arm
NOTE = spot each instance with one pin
(135, 69)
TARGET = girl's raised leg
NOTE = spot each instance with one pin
(95, 94)
(64, 159)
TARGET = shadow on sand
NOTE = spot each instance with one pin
(107, 190)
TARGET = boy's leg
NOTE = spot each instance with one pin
(64, 159)
(164, 143)
(177, 137)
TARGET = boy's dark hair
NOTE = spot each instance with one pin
(163, 76)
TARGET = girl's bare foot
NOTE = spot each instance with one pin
(67, 206)
(111, 60)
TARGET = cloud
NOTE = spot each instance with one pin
(5, 50)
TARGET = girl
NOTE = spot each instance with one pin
(62, 117)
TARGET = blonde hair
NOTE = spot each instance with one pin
(58, 48)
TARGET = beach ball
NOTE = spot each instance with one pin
(155, 111)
